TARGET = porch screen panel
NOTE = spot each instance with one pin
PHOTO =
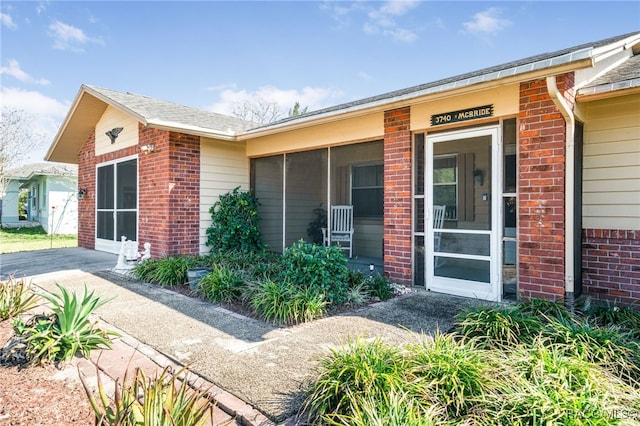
(127, 199)
(266, 185)
(357, 179)
(105, 202)
(306, 191)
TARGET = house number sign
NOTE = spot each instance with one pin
(462, 115)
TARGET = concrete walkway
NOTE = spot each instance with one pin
(258, 369)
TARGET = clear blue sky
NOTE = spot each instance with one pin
(215, 54)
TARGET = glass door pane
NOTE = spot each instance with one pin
(462, 247)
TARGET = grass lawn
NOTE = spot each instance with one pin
(27, 239)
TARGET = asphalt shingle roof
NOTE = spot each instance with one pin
(629, 70)
(34, 169)
(545, 58)
(158, 111)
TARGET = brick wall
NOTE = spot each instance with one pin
(541, 196)
(397, 195)
(168, 194)
(611, 265)
(87, 206)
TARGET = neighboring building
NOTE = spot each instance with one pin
(52, 200)
(537, 162)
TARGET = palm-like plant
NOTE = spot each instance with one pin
(68, 330)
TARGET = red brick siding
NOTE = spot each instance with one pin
(611, 265)
(397, 195)
(541, 191)
(87, 206)
(168, 191)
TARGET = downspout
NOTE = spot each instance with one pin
(569, 248)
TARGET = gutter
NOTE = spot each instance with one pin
(569, 249)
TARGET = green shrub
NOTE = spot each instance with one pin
(15, 298)
(320, 269)
(235, 223)
(450, 372)
(222, 284)
(497, 327)
(283, 303)
(68, 330)
(145, 401)
(349, 375)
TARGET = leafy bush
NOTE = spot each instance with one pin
(144, 401)
(235, 223)
(68, 330)
(222, 284)
(320, 269)
(166, 271)
(15, 298)
(284, 303)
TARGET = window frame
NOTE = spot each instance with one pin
(376, 187)
(454, 184)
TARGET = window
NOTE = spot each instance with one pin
(367, 190)
(445, 184)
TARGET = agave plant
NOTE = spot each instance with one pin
(145, 401)
(15, 298)
(68, 330)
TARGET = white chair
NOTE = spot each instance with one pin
(438, 221)
(341, 228)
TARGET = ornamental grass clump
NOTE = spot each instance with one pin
(285, 304)
(223, 284)
(542, 384)
(166, 271)
(497, 327)
(16, 297)
(361, 370)
(165, 400)
(448, 372)
(68, 330)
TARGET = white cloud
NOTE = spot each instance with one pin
(48, 113)
(7, 21)
(68, 37)
(312, 98)
(16, 72)
(487, 22)
(383, 20)
(379, 20)
(365, 76)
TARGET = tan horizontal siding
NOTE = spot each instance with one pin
(611, 187)
(223, 167)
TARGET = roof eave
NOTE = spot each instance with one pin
(192, 130)
(611, 90)
(580, 59)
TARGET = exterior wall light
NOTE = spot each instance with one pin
(81, 193)
(147, 148)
